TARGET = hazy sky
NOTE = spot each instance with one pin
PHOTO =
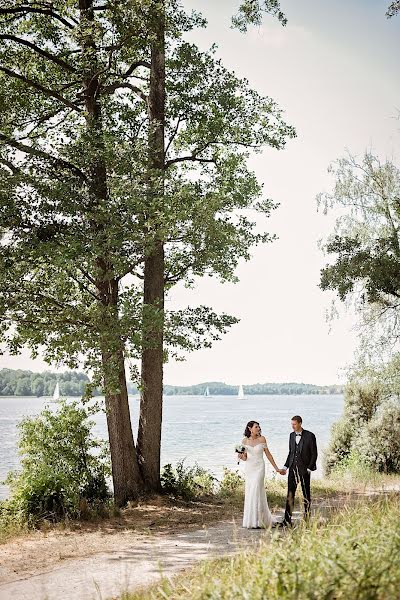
(334, 70)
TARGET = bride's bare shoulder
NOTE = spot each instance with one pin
(244, 441)
(262, 439)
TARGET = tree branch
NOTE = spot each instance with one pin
(110, 89)
(40, 88)
(7, 163)
(41, 154)
(24, 10)
(87, 275)
(173, 134)
(59, 61)
(135, 65)
(83, 287)
(191, 158)
(169, 278)
(29, 136)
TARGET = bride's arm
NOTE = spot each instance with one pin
(243, 455)
(270, 457)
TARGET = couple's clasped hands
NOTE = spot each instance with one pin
(281, 471)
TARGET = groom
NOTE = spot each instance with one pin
(301, 461)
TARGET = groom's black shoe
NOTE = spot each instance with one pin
(288, 524)
(283, 524)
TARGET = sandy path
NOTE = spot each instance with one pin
(139, 562)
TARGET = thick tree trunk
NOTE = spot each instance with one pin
(125, 469)
(149, 434)
(126, 475)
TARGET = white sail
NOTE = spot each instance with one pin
(240, 393)
(207, 392)
(56, 393)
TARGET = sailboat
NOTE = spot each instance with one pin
(240, 393)
(56, 393)
(207, 392)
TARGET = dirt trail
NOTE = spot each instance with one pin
(137, 562)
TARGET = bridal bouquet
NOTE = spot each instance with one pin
(240, 449)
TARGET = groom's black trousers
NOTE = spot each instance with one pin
(294, 478)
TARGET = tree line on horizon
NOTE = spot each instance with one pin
(18, 382)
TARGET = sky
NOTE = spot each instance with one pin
(334, 71)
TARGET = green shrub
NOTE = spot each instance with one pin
(353, 467)
(368, 434)
(63, 468)
(379, 441)
(187, 482)
(342, 434)
(231, 484)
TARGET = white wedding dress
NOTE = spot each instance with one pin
(256, 511)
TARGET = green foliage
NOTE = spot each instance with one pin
(251, 13)
(355, 555)
(379, 442)
(231, 484)
(63, 468)
(367, 437)
(393, 9)
(187, 482)
(74, 230)
(364, 246)
(82, 207)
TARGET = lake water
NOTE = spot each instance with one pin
(202, 430)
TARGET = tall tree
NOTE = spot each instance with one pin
(61, 64)
(204, 133)
(149, 433)
(94, 200)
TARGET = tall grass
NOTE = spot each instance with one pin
(355, 555)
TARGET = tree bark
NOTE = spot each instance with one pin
(124, 463)
(125, 470)
(150, 422)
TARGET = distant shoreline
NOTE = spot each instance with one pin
(23, 384)
(187, 394)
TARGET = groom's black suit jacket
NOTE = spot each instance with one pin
(306, 452)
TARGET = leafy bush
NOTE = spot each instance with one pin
(379, 441)
(187, 482)
(354, 467)
(368, 434)
(63, 468)
(232, 483)
(342, 434)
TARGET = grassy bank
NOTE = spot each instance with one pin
(353, 555)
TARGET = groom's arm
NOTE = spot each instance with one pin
(286, 465)
(314, 453)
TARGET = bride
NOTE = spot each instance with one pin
(256, 511)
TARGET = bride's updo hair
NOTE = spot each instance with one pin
(250, 424)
